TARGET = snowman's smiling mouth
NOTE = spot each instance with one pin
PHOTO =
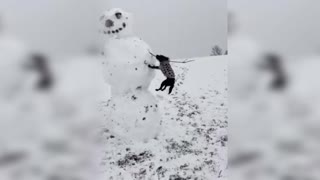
(116, 30)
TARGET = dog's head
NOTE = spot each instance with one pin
(162, 58)
(117, 23)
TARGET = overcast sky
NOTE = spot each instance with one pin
(286, 26)
(178, 28)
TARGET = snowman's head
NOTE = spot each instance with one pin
(117, 23)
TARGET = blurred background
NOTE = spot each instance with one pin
(57, 28)
(273, 90)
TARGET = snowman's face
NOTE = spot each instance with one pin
(117, 23)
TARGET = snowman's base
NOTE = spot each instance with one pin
(133, 116)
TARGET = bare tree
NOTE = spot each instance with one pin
(218, 51)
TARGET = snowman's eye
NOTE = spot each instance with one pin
(118, 15)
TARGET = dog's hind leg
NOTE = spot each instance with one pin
(170, 89)
(164, 88)
(161, 86)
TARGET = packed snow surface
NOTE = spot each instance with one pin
(193, 140)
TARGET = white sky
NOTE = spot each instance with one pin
(286, 26)
(178, 28)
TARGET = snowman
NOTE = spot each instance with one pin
(132, 112)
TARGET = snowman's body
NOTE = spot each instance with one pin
(132, 112)
(124, 64)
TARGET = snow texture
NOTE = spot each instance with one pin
(193, 140)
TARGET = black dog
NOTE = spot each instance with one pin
(39, 63)
(167, 71)
(274, 64)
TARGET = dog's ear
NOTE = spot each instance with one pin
(162, 58)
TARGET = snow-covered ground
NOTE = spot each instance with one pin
(50, 136)
(193, 141)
